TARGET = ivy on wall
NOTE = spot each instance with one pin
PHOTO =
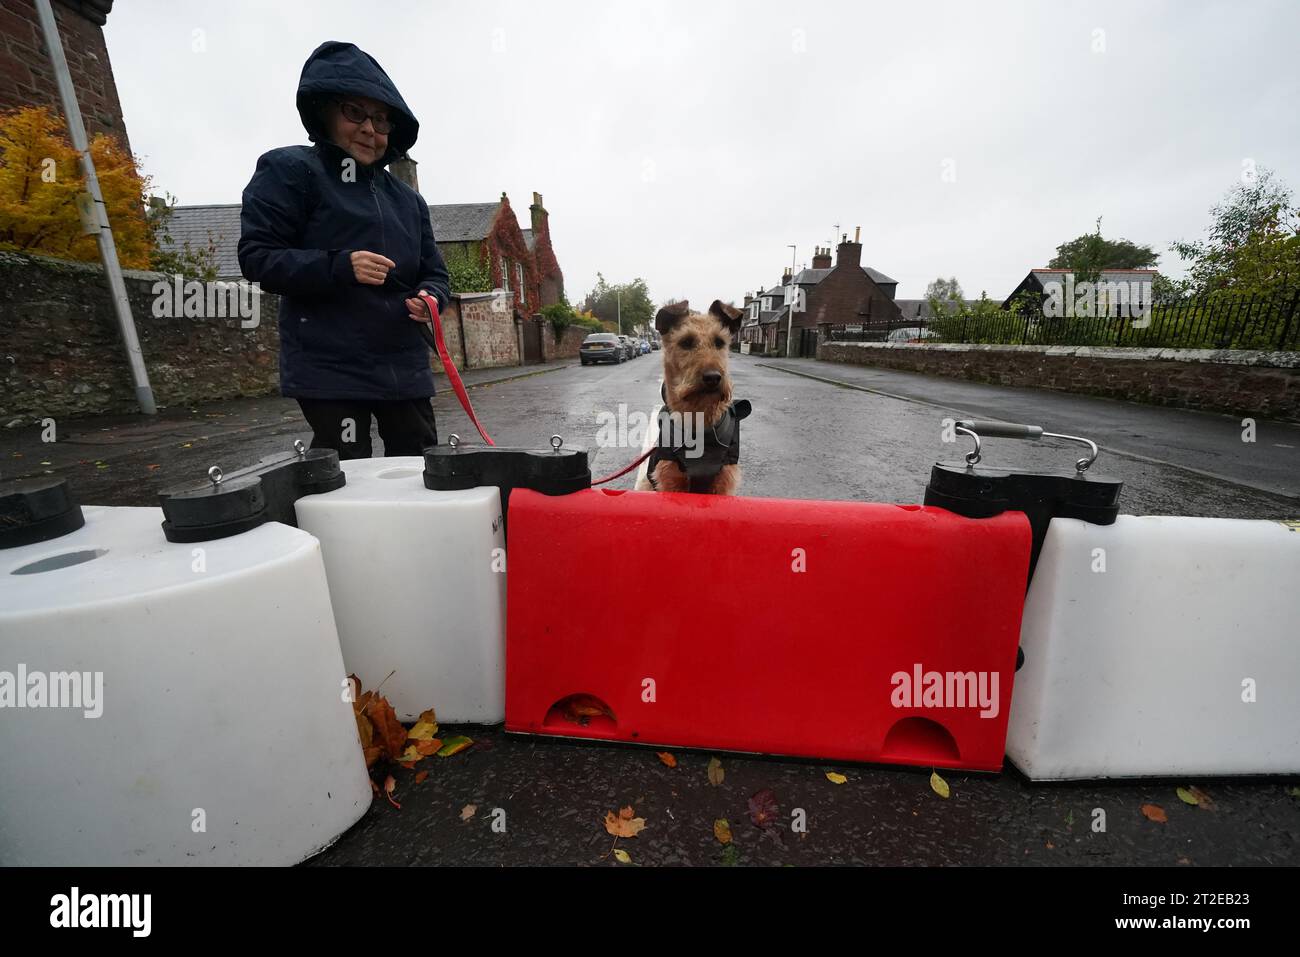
(468, 269)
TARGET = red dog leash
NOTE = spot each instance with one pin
(432, 305)
(441, 346)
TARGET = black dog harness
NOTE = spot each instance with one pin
(721, 445)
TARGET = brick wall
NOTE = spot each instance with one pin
(1261, 384)
(27, 78)
(62, 354)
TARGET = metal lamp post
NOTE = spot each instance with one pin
(101, 228)
(790, 295)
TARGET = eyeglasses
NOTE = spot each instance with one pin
(355, 113)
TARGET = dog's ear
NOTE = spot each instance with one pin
(670, 315)
(726, 314)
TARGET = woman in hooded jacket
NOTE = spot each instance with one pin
(347, 246)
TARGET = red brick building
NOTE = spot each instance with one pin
(27, 77)
(824, 295)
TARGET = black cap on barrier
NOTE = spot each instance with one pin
(37, 510)
(553, 471)
(224, 505)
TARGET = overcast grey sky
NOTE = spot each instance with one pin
(691, 143)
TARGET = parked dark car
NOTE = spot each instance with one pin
(601, 347)
(628, 350)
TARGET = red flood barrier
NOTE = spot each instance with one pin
(833, 630)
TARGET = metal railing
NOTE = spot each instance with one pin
(1220, 321)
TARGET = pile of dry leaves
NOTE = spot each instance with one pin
(385, 739)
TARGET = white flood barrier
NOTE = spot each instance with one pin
(418, 582)
(1160, 646)
(167, 703)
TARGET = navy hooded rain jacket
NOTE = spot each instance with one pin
(306, 210)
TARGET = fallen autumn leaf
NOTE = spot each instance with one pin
(454, 745)
(763, 809)
(939, 785)
(1154, 812)
(716, 774)
(624, 825)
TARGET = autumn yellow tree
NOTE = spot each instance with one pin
(40, 179)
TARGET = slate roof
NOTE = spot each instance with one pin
(810, 277)
(920, 308)
(529, 239)
(462, 222)
(201, 225)
(219, 225)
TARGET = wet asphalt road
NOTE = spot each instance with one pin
(806, 439)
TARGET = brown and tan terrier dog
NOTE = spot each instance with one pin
(698, 446)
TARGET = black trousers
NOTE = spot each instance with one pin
(405, 425)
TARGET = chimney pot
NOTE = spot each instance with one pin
(857, 234)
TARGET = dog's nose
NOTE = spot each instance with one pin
(712, 379)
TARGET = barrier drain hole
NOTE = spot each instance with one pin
(920, 740)
(581, 711)
(55, 562)
(614, 491)
(399, 473)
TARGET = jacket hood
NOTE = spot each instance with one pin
(335, 67)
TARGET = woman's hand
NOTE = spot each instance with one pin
(371, 268)
(418, 310)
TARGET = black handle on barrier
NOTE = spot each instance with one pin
(553, 471)
(226, 505)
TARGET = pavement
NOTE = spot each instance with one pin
(819, 431)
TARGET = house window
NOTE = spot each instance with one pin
(505, 274)
(519, 274)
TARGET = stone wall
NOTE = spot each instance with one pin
(27, 77)
(491, 333)
(63, 356)
(566, 346)
(1247, 383)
